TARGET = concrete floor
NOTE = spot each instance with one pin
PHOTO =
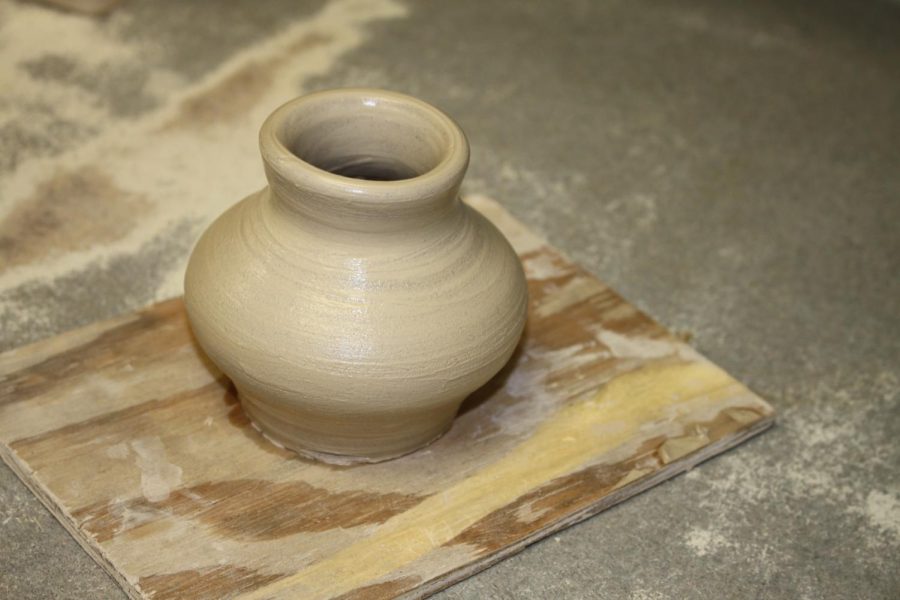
(733, 168)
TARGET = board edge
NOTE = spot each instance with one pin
(21, 471)
(626, 492)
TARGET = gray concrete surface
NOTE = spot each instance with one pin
(733, 168)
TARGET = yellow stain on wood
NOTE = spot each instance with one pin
(628, 401)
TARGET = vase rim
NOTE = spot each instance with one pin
(278, 134)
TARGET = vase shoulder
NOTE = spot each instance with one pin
(343, 308)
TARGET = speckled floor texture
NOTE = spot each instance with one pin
(733, 168)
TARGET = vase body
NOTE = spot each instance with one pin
(356, 301)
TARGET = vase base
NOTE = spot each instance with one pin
(343, 460)
(259, 420)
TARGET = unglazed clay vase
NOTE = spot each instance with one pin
(356, 301)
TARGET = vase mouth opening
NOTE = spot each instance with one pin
(364, 142)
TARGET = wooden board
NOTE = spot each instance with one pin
(136, 443)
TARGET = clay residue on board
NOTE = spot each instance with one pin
(255, 509)
(235, 95)
(564, 298)
(541, 266)
(70, 211)
(633, 346)
(158, 476)
(208, 583)
(679, 447)
(572, 292)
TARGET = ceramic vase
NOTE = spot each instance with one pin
(356, 301)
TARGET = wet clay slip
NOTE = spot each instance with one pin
(356, 301)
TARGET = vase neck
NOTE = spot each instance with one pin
(363, 160)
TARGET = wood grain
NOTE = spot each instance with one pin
(136, 443)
